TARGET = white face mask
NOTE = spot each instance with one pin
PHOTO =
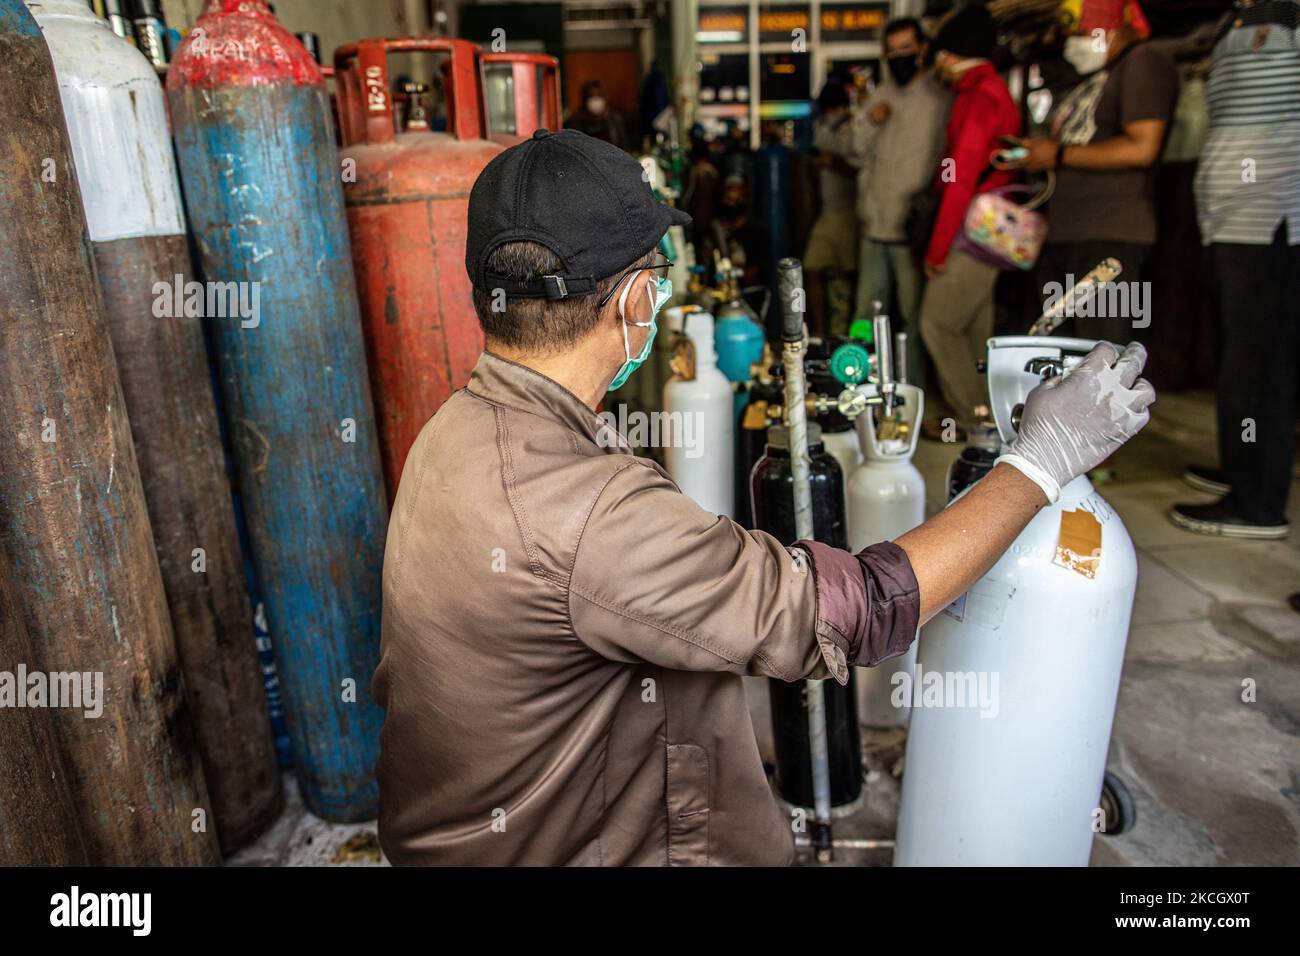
(596, 104)
(1087, 54)
(659, 291)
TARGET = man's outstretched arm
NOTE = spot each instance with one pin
(658, 579)
(1069, 426)
(956, 547)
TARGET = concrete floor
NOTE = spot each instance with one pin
(1216, 781)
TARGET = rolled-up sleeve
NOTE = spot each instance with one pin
(870, 598)
(657, 579)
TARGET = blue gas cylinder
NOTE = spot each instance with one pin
(738, 340)
(261, 176)
(773, 205)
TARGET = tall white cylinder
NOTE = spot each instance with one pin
(117, 124)
(886, 499)
(699, 425)
(845, 449)
(1017, 682)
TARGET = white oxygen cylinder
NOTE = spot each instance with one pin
(1017, 679)
(886, 499)
(117, 126)
(845, 448)
(699, 426)
(702, 408)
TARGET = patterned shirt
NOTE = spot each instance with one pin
(1249, 177)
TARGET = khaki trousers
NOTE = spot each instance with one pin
(956, 322)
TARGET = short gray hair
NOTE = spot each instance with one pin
(545, 325)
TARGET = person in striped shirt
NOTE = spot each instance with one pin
(1248, 204)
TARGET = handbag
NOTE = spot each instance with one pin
(1005, 233)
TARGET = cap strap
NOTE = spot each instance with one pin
(543, 287)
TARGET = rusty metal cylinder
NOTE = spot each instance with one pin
(117, 124)
(73, 522)
(250, 117)
(38, 823)
(407, 203)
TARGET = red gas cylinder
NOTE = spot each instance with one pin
(407, 197)
(522, 91)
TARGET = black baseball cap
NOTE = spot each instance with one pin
(583, 198)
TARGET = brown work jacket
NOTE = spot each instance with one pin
(564, 634)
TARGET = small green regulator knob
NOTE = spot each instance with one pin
(850, 363)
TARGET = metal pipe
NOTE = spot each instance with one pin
(900, 356)
(1054, 316)
(790, 286)
(884, 360)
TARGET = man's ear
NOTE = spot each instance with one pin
(637, 305)
(638, 299)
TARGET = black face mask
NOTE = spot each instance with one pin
(903, 68)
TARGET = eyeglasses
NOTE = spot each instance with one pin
(662, 262)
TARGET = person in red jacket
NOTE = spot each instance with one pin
(957, 310)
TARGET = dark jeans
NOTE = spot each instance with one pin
(1059, 259)
(1255, 289)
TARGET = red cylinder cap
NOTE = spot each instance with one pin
(241, 43)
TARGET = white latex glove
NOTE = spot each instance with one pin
(1074, 422)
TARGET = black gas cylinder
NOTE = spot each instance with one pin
(976, 459)
(751, 443)
(772, 485)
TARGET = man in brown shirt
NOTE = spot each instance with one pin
(564, 632)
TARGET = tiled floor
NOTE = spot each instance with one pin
(1216, 780)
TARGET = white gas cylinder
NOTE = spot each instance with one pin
(699, 424)
(1016, 682)
(886, 499)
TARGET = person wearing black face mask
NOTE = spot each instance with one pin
(903, 66)
(899, 137)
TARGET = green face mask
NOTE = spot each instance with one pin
(661, 293)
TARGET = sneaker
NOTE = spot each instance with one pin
(1220, 519)
(1209, 480)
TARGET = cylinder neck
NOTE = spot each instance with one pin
(253, 7)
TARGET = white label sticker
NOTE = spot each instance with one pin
(957, 609)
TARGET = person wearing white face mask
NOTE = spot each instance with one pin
(564, 631)
(594, 116)
(1106, 137)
